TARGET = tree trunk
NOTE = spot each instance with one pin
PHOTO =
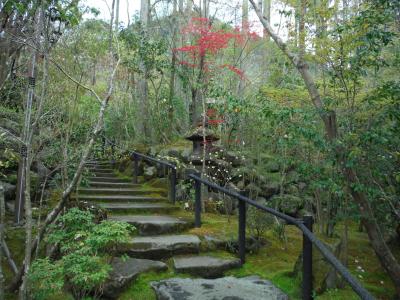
(386, 257)
(267, 15)
(2, 225)
(52, 216)
(173, 66)
(142, 87)
(26, 153)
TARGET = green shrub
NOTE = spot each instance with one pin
(85, 255)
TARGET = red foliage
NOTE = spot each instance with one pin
(235, 70)
(209, 42)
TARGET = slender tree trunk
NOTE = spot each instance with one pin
(173, 65)
(2, 226)
(52, 216)
(26, 153)
(142, 88)
(117, 16)
(302, 25)
(267, 15)
(384, 254)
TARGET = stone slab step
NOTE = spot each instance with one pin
(117, 191)
(101, 169)
(154, 225)
(124, 271)
(102, 174)
(108, 179)
(105, 184)
(204, 266)
(163, 246)
(104, 164)
(118, 198)
(232, 288)
(138, 207)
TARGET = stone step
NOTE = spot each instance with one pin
(138, 207)
(245, 288)
(154, 225)
(101, 169)
(118, 198)
(108, 179)
(157, 247)
(204, 266)
(105, 184)
(118, 191)
(102, 174)
(126, 270)
(99, 163)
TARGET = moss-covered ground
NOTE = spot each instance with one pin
(274, 261)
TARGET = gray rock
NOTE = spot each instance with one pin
(150, 172)
(163, 246)
(10, 207)
(204, 266)
(288, 204)
(124, 271)
(227, 288)
(235, 159)
(213, 243)
(270, 189)
(9, 190)
(272, 166)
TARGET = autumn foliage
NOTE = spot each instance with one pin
(208, 42)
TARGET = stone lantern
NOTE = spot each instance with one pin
(197, 138)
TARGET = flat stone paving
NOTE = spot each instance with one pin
(226, 288)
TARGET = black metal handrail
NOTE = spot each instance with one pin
(304, 225)
(136, 156)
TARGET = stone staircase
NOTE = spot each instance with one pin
(160, 236)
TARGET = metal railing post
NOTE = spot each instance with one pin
(197, 204)
(307, 261)
(242, 231)
(135, 168)
(172, 185)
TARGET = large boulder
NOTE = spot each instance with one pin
(124, 271)
(247, 288)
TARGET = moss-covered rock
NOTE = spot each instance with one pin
(288, 204)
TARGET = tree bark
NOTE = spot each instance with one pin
(52, 216)
(267, 15)
(173, 65)
(384, 254)
(2, 225)
(142, 85)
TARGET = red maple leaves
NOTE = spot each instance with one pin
(209, 41)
